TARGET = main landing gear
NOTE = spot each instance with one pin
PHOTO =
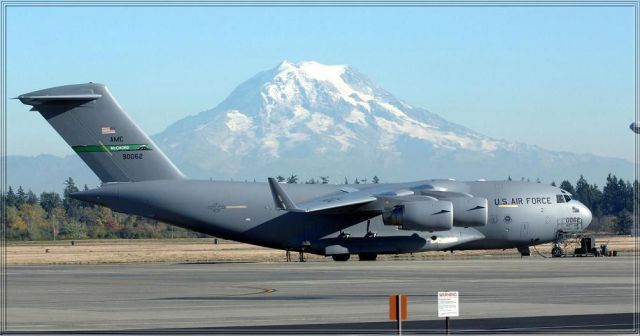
(361, 256)
(341, 257)
(524, 251)
(368, 256)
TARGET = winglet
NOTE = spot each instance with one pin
(280, 197)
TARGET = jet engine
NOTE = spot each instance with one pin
(469, 211)
(421, 216)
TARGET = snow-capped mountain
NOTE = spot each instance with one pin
(312, 119)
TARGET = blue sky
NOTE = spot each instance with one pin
(558, 77)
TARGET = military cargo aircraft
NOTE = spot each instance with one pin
(331, 220)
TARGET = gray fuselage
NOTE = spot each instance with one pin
(520, 214)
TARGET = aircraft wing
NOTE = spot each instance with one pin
(470, 211)
(284, 202)
(331, 202)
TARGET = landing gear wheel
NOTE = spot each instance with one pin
(341, 257)
(556, 252)
(368, 256)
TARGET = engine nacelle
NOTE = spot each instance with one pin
(469, 211)
(421, 216)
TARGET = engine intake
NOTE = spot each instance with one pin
(421, 216)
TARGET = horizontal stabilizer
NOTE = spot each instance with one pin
(96, 127)
(38, 100)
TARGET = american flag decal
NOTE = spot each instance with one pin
(108, 130)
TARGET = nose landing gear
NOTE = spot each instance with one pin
(556, 250)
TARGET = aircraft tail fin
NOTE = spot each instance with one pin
(101, 133)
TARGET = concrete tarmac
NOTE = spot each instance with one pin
(496, 295)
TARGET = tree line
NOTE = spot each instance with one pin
(51, 216)
(612, 206)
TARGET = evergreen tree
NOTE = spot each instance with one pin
(553, 184)
(589, 195)
(623, 223)
(628, 195)
(345, 180)
(71, 206)
(32, 198)
(376, 180)
(568, 187)
(50, 201)
(21, 197)
(509, 178)
(11, 198)
(280, 179)
(325, 179)
(613, 196)
(356, 181)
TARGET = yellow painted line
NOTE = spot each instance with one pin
(508, 206)
(235, 207)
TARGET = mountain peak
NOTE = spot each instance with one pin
(312, 69)
(314, 83)
(325, 110)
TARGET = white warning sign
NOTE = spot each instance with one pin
(448, 304)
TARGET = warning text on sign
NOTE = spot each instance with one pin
(448, 304)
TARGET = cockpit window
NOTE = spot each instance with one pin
(560, 198)
(567, 198)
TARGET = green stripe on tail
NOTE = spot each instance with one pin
(110, 148)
